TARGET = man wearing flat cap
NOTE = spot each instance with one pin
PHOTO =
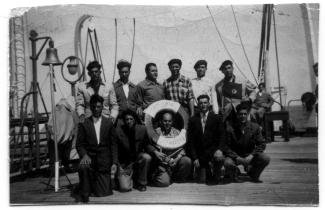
(179, 88)
(95, 86)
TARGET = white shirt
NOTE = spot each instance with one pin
(204, 118)
(126, 90)
(97, 124)
(204, 86)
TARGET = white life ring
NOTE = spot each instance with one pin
(164, 142)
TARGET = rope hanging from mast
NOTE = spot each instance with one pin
(115, 59)
(224, 44)
(242, 45)
(133, 40)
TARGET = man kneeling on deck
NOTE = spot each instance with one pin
(245, 146)
(169, 165)
(97, 149)
(206, 136)
(132, 140)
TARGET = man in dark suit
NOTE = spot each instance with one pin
(125, 90)
(245, 146)
(132, 139)
(206, 136)
(97, 149)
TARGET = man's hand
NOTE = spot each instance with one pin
(113, 170)
(172, 162)
(249, 159)
(196, 163)
(113, 120)
(82, 118)
(85, 161)
(159, 155)
(139, 112)
(241, 161)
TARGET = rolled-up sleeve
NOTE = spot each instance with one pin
(190, 91)
(113, 103)
(80, 100)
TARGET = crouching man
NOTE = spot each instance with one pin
(169, 164)
(132, 140)
(245, 146)
(97, 149)
(206, 136)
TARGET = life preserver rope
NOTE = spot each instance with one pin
(164, 142)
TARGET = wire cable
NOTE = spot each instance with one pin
(242, 45)
(133, 40)
(224, 44)
(114, 69)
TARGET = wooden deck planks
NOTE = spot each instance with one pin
(290, 179)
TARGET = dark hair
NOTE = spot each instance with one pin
(95, 99)
(262, 83)
(199, 63)
(309, 99)
(131, 113)
(148, 66)
(123, 63)
(93, 64)
(174, 60)
(224, 64)
(203, 96)
(242, 106)
(315, 65)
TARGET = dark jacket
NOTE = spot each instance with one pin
(203, 145)
(246, 142)
(131, 143)
(103, 154)
(123, 102)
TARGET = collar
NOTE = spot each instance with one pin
(150, 82)
(88, 84)
(206, 114)
(233, 79)
(120, 83)
(97, 120)
(181, 78)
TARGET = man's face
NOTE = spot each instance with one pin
(261, 88)
(200, 71)
(96, 109)
(94, 74)
(174, 69)
(242, 116)
(152, 74)
(204, 105)
(129, 121)
(228, 71)
(124, 73)
(167, 121)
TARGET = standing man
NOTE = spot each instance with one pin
(245, 146)
(132, 140)
(226, 103)
(206, 136)
(97, 150)
(95, 86)
(262, 103)
(169, 164)
(149, 90)
(203, 86)
(179, 88)
(125, 89)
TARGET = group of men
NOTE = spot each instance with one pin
(112, 138)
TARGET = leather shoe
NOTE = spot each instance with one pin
(84, 199)
(142, 188)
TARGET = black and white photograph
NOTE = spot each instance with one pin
(205, 105)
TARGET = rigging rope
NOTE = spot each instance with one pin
(133, 40)
(242, 45)
(224, 44)
(99, 55)
(84, 77)
(114, 68)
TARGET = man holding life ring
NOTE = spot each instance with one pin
(169, 164)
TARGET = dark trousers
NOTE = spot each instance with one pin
(163, 175)
(210, 167)
(93, 181)
(141, 168)
(254, 169)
